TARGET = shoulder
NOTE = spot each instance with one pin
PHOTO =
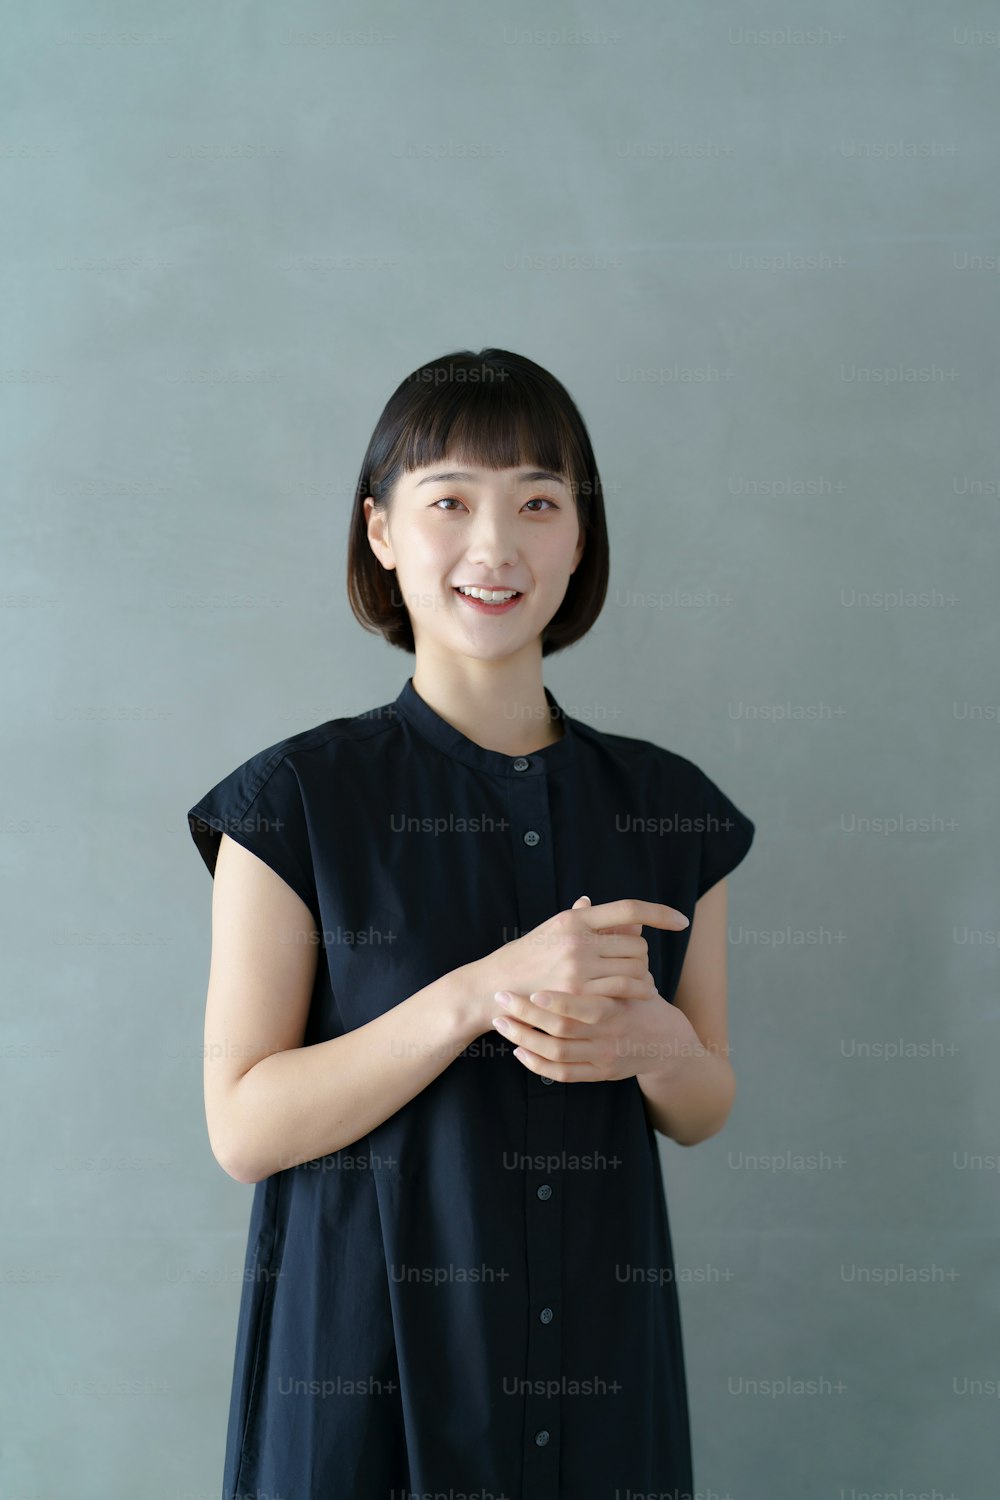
(277, 800)
(644, 758)
(307, 756)
(673, 787)
(289, 785)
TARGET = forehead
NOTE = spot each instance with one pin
(462, 473)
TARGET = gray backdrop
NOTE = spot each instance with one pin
(765, 264)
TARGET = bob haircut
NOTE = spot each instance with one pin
(493, 410)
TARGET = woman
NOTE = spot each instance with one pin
(437, 1041)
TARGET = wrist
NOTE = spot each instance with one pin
(467, 1002)
(680, 1042)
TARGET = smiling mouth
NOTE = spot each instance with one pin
(504, 593)
(489, 606)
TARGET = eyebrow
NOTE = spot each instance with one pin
(526, 476)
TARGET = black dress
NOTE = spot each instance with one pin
(478, 1296)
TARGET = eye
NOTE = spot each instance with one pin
(543, 499)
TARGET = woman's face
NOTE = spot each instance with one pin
(491, 528)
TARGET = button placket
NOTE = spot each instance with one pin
(535, 878)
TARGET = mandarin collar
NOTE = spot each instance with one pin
(445, 737)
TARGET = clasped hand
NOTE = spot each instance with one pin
(597, 1016)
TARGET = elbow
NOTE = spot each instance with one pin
(227, 1140)
(232, 1166)
(715, 1125)
(227, 1154)
(705, 1134)
(239, 1173)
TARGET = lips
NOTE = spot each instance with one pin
(488, 607)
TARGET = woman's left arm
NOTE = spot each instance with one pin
(690, 1093)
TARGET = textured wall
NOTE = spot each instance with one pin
(765, 264)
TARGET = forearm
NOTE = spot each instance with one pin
(307, 1102)
(690, 1099)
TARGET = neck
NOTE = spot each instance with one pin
(493, 704)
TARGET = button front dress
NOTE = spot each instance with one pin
(477, 1297)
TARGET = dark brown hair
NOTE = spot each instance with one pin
(495, 410)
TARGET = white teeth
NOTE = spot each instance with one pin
(489, 596)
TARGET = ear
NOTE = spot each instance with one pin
(377, 522)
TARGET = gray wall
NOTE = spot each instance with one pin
(766, 267)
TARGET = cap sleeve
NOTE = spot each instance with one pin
(260, 805)
(727, 834)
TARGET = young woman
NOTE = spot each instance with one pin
(437, 1040)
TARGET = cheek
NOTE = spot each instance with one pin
(422, 550)
(430, 547)
(425, 560)
(554, 554)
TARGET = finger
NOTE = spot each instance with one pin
(582, 1072)
(632, 909)
(632, 929)
(622, 987)
(557, 1012)
(553, 1048)
(619, 945)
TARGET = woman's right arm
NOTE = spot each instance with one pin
(272, 1103)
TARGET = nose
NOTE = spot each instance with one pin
(492, 546)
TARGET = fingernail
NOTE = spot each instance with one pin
(501, 1023)
(502, 997)
(540, 998)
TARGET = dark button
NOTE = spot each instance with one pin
(546, 1315)
(544, 1191)
(546, 1080)
(521, 764)
(541, 1438)
(531, 837)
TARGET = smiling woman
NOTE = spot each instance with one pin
(515, 426)
(438, 1042)
(490, 553)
